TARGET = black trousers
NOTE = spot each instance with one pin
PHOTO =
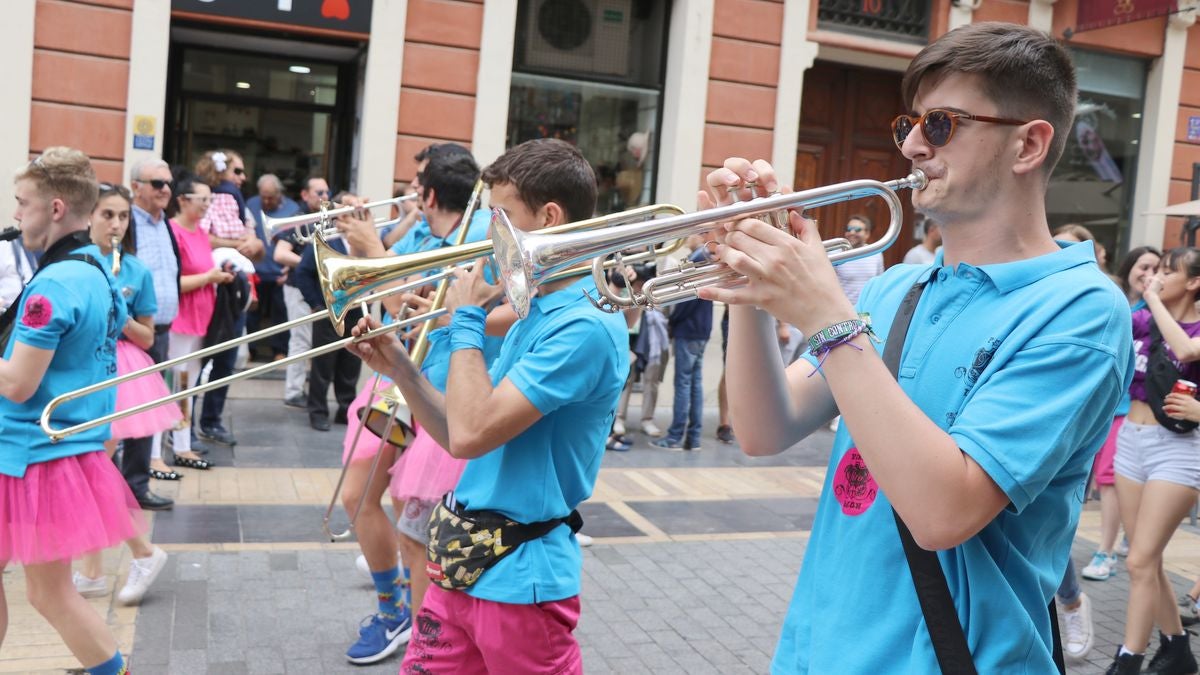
(135, 453)
(340, 367)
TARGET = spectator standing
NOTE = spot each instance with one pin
(272, 277)
(16, 268)
(155, 243)
(288, 251)
(689, 325)
(925, 252)
(227, 226)
(853, 275)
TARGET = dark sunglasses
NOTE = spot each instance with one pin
(239, 171)
(158, 183)
(938, 125)
(107, 189)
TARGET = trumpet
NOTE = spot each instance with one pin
(319, 222)
(345, 278)
(116, 249)
(526, 259)
(357, 279)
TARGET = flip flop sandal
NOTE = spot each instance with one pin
(165, 475)
(192, 463)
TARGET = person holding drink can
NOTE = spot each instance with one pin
(1158, 460)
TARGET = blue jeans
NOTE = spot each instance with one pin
(223, 363)
(1068, 590)
(689, 390)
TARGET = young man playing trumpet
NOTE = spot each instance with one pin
(533, 429)
(1016, 355)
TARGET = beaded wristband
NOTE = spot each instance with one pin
(466, 328)
(841, 333)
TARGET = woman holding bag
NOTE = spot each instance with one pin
(1158, 460)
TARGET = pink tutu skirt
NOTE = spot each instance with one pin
(368, 443)
(64, 508)
(131, 358)
(425, 471)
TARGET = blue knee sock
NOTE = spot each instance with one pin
(113, 666)
(385, 588)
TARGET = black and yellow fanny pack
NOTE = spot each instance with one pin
(464, 544)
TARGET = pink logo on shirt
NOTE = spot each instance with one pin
(37, 311)
(853, 485)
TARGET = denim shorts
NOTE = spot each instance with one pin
(414, 521)
(1148, 452)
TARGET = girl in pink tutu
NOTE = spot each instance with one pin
(61, 500)
(109, 222)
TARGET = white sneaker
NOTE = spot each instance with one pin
(1077, 630)
(142, 573)
(618, 426)
(584, 540)
(89, 587)
(834, 423)
(651, 429)
(1103, 566)
(361, 564)
(1123, 548)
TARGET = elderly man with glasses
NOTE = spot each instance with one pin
(156, 247)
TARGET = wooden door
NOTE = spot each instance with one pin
(845, 134)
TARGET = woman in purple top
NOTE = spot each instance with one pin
(1158, 470)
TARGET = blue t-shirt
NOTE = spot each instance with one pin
(1022, 364)
(421, 238)
(570, 361)
(68, 309)
(136, 286)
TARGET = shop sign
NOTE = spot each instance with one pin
(1193, 128)
(1093, 14)
(346, 16)
(143, 132)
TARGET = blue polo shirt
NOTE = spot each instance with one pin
(69, 310)
(420, 238)
(1022, 363)
(570, 361)
(135, 285)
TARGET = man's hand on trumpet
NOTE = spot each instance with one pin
(358, 230)
(789, 276)
(471, 288)
(384, 354)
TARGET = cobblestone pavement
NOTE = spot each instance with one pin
(695, 558)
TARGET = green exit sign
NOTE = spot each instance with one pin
(614, 16)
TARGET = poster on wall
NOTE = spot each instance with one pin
(1094, 14)
(350, 16)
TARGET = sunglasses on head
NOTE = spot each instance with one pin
(110, 188)
(938, 125)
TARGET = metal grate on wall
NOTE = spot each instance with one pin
(900, 20)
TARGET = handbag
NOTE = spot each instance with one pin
(463, 544)
(1161, 375)
(933, 593)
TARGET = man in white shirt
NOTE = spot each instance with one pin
(855, 274)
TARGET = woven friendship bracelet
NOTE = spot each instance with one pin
(466, 328)
(831, 337)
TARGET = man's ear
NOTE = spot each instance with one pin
(58, 209)
(553, 214)
(429, 198)
(1034, 140)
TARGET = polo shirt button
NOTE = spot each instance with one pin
(935, 318)
(942, 275)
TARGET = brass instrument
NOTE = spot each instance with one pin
(527, 259)
(356, 279)
(116, 249)
(319, 225)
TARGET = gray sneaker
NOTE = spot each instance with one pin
(89, 587)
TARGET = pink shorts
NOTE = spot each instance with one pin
(1103, 466)
(456, 633)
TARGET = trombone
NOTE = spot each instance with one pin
(356, 280)
(527, 259)
(318, 223)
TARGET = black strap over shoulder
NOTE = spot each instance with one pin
(58, 251)
(1161, 374)
(937, 605)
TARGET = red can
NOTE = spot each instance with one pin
(1184, 387)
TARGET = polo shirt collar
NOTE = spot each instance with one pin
(1010, 276)
(145, 215)
(563, 296)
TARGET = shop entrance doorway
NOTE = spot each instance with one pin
(845, 134)
(287, 112)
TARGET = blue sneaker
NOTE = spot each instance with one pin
(667, 444)
(379, 638)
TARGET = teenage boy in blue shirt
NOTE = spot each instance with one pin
(533, 428)
(1016, 355)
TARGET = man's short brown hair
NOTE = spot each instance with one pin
(67, 174)
(547, 170)
(1025, 72)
